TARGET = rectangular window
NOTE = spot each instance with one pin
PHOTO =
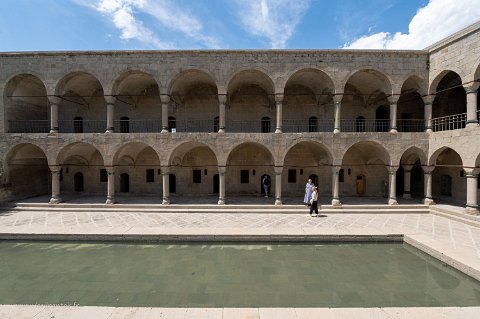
(150, 174)
(197, 176)
(244, 176)
(103, 175)
(341, 176)
(292, 175)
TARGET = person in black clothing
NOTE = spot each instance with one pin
(266, 185)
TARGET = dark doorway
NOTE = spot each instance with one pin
(314, 178)
(446, 185)
(262, 190)
(78, 182)
(172, 182)
(124, 183)
(216, 184)
(78, 125)
(360, 184)
(124, 124)
(417, 185)
(382, 116)
(400, 181)
(265, 125)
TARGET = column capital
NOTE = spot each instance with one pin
(471, 172)
(393, 99)
(470, 89)
(165, 98)
(165, 170)
(110, 99)
(278, 170)
(336, 169)
(279, 97)
(428, 99)
(55, 169)
(110, 170)
(428, 169)
(53, 99)
(407, 167)
(337, 98)
(222, 170)
(392, 170)
(222, 98)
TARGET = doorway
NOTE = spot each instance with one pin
(360, 184)
(262, 190)
(124, 183)
(78, 182)
(314, 178)
(216, 184)
(172, 183)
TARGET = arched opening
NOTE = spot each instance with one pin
(124, 183)
(450, 104)
(138, 99)
(81, 94)
(308, 102)
(26, 173)
(194, 97)
(216, 124)
(448, 179)
(250, 96)
(26, 105)
(78, 182)
(410, 106)
(410, 182)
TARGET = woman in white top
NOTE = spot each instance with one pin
(313, 202)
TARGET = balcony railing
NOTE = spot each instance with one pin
(196, 126)
(28, 126)
(82, 126)
(365, 125)
(411, 125)
(307, 125)
(451, 122)
(138, 126)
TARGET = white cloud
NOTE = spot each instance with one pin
(124, 15)
(274, 20)
(437, 20)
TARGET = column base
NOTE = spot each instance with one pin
(278, 130)
(472, 210)
(392, 201)
(109, 130)
(278, 201)
(221, 131)
(336, 131)
(393, 130)
(164, 130)
(55, 200)
(428, 130)
(336, 203)
(221, 201)
(428, 201)
(52, 133)
(472, 124)
(166, 201)
(110, 201)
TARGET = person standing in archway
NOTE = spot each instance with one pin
(308, 192)
(313, 202)
(266, 185)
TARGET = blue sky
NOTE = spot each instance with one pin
(48, 25)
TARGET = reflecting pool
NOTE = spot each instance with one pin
(229, 275)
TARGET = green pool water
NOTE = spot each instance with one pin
(229, 275)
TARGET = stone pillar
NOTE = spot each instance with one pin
(472, 201)
(393, 113)
(166, 185)
(165, 101)
(110, 113)
(110, 185)
(54, 101)
(427, 100)
(392, 195)
(427, 176)
(278, 185)
(336, 187)
(337, 100)
(55, 170)
(222, 100)
(221, 182)
(279, 101)
(407, 169)
(472, 119)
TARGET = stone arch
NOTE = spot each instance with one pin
(436, 78)
(448, 177)
(412, 154)
(475, 73)
(365, 170)
(25, 172)
(450, 98)
(432, 160)
(237, 74)
(308, 93)
(379, 76)
(410, 105)
(190, 76)
(141, 163)
(123, 73)
(410, 179)
(416, 83)
(303, 159)
(26, 105)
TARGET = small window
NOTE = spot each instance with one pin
(103, 175)
(172, 124)
(313, 124)
(197, 176)
(216, 124)
(150, 175)
(78, 124)
(341, 175)
(244, 177)
(124, 124)
(301, 171)
(462, 173)
(266, 126)
(292, 175)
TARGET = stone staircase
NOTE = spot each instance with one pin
(456, 213)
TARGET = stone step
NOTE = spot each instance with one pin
(458, 215)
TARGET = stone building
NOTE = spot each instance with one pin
(359, 122)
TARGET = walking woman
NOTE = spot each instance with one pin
(313, 202)
(308, 192)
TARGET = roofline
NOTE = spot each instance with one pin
(465, 32)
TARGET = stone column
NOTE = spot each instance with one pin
(278, 185)
(337, 100)
(407, 169)
(110, 113)
(393, 113)
(471, 106)
(392, 196)
(427, 100)
(427, 176)
(279, 101)
(222, 100)
(110, 185)
(472, 201)
(221, 182)
(55, 170)
(336, 187)
(166, 185)
(165, 101)
(54, 101)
